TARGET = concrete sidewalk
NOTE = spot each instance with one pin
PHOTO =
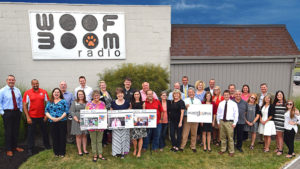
(295, 164)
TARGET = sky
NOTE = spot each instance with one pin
(217, 11)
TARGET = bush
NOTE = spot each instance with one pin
(157, 76)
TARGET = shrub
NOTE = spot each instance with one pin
(157, 76)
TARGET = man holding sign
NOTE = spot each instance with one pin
(190, 126)
(227, 117)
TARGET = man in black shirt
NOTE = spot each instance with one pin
(128, 91)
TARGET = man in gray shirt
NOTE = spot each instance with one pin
(239, 129)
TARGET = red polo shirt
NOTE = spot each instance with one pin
(154, 105)
(36, 102)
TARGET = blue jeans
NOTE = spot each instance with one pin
(153, 135)
(164, 129)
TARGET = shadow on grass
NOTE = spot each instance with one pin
(249, 159)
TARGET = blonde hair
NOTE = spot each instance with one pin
(256, 100)
(176, 91)
(198, 83)
(217, 87)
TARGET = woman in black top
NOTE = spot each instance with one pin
(177, 107)
(137, 133)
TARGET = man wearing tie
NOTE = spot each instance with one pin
(185, 86)
(10, 109)
(227, 117)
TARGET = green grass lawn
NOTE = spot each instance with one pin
(249, 159)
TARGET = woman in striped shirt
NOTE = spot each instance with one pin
(280, 109)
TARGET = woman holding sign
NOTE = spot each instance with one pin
(137, 133)
(76, 106)
(208, 127)
(120, 137)
(96, 135)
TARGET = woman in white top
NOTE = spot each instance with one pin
(291, 119)
(267, 125)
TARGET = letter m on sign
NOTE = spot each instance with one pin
(111, 38)
(44, 22)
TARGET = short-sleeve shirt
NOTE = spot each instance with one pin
(57, 109)
(115, 106)
(243, 108)
(175, 110)
(155, 104)
(36, 102)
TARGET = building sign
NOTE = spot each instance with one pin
(77, 35)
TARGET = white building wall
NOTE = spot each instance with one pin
(148, 39)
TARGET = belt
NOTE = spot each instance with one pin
(228, 120)
(11, 110)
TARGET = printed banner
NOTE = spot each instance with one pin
(145, 118)
(77, 35)
(200, 113)
(120, 119)
(93, 119)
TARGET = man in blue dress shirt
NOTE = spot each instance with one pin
(69, 97)
(11, 109)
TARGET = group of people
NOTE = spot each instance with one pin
(235, 114)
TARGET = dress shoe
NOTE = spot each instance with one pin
(9, 153)
(18, 149)
(221, 152)
(194, 150)
(231, 154)
(29, 152)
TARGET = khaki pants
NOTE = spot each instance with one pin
(187, 127)
(226, 131)
(96, 141)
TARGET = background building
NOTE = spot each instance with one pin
(238, 54)
(147, 33)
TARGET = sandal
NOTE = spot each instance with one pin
(251, 147)
(276, 150)
(102, 158)
(86, 153)
(279, 152)
(95, 158)
(266, 151)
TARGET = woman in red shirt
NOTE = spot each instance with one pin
(217, 98)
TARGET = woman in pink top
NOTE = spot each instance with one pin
(96, 135)
(245, 92)
(165, 103)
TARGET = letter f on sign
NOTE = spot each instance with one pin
(107, 23)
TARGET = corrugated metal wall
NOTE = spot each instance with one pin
(276, 75)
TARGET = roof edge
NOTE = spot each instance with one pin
(229, 25)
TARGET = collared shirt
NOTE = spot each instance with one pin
(171, 96)
(261, 98)
(287, 119)
(87, 90)
(6, 101)
(243, 108)
(155, 104)
(185, 90)
(190, 101)
(36, 102)
(128, 94)
(144, 96)
(232, 111)
(69, 97)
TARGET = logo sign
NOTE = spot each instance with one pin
(77, 35)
